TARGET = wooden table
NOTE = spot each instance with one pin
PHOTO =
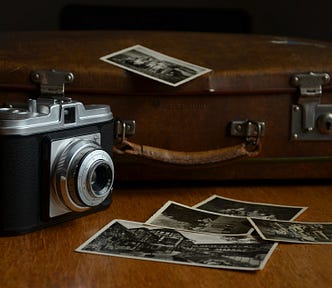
(46, 258)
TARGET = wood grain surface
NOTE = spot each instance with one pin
(46, 258)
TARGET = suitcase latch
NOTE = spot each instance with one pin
(52, 83)
(310, 119)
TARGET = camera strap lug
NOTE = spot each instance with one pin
(52, 83)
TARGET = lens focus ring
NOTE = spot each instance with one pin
(95, 177)
(79, 166)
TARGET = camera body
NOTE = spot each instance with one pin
(56, 162)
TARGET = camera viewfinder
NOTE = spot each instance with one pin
(69, 115)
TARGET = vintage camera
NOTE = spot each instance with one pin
(56, 162)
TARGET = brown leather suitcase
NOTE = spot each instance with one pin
(263, 112)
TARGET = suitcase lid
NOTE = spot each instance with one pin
(240, 63)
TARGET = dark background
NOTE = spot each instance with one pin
(309, 19)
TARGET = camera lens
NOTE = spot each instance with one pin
(100, 179)
(83, 175)
(94, 177)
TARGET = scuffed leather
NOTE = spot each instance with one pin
(186, 158)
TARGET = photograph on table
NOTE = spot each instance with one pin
(140, 241)
(294, 232)
(179, 216)
(228, 206)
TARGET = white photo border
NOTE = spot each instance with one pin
(81, 249)
(212, 197)
(199, 70)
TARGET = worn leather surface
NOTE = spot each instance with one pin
(185, 157)
(244, 63)
(250, 79)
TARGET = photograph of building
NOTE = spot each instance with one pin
(228, 206)
(164, 244)
(179, 216)
(297, 232)
(155, 65)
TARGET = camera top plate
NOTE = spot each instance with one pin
(47, 115)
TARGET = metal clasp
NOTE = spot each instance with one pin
(310, 86)
(124, 128)
(52, 83)
(308, 109)
(252, 131)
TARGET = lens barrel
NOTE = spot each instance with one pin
(83, 175)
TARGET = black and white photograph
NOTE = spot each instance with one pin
(178, 216)
(294, 232)
(155, 65)
(137, 240)
(228, 206)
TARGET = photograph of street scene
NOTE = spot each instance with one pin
(154, 65)
(137, 240)
(229, 206)
(178, 216)
(296, 232)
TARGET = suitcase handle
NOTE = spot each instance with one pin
(242, 150)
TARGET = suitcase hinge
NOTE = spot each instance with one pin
(308, 115)
(52, 83)
(252, 131)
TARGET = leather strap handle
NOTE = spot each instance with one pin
(189, 158)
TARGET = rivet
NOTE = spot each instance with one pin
(295, 79)
(326, 78)
(239, 128)
(310, 129)
(35, 76)
(69, 77)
